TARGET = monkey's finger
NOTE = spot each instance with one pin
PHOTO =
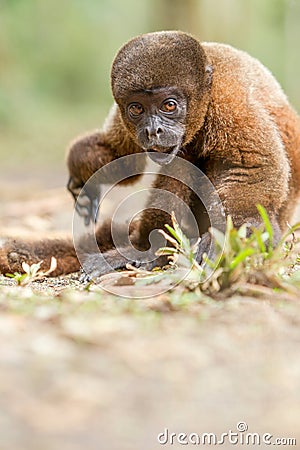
(91, 200)
(86, 199)
(95, 209)
(83, 208)
(84, 277)
(88, 209)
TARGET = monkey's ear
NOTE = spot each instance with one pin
(209, 74)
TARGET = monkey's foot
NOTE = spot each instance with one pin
(14, 252)
(98, 264)
(12, 257)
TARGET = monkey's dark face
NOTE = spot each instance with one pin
(158, 117)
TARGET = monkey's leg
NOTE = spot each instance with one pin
(156, 214)
(13, 252)
(242, 187)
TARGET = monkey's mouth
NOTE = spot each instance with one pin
(161, 156)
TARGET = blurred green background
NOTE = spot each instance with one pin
(55, 59)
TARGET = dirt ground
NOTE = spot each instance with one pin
(89, 370)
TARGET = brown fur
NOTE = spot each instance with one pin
(240, 130)
(14, 252)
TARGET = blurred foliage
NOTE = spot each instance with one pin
(55, 59)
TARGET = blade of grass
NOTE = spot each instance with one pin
(259, 240)
(241, 257)
(268, 226)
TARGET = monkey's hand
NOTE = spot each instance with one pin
(86, 155)
(98, 264)
(87, 198)
(206, 246)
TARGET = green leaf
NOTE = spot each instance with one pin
(166, 251)
(259, 239)
(242, 231)
(268, 226)
(173, 233)
(169, 238)
(241, 257)
(218, 236)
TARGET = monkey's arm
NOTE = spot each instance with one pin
(89, 153)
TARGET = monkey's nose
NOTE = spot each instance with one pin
(153, 132)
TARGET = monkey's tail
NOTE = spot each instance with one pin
(13, 252)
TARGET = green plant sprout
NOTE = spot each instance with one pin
(33, 272)
(242, 257)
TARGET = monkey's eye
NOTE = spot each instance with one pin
(169, 106)
(135, 109)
